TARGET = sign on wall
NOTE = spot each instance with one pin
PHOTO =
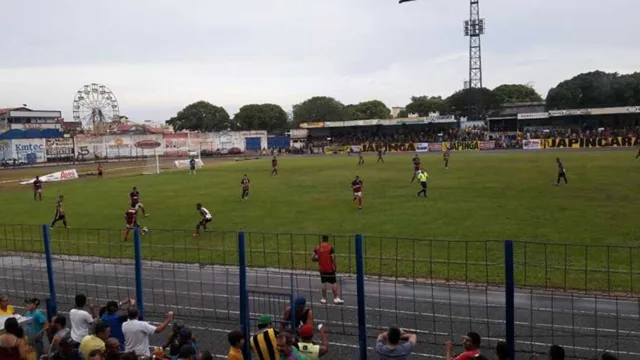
(118, 146)
(59, 148)
(29, 149)
(176, 144)
(5, 149)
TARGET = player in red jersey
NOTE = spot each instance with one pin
(37, 189)
(416, 167)
(356, 185)
(131, 221)
(134, 198)
(325, 256)
(274, 166)
(100, 170)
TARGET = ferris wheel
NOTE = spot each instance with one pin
(94, 106)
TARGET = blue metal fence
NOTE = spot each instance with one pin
(530, 295)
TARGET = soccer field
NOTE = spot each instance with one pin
(482, 196)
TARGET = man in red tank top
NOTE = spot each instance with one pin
(471, 348)
(325, 256)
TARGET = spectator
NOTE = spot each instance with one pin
(109, 314)
(96, 355)
(136, 332)
(556, 352)
(36, 327)
(59, 331)
(310, 349)
(112, 349)
(81, 319)
(185, 337)
(502, 351)
(287, 350)
(263, 343)
(67, 350)
(325, 255)
(95, 342)
(205, 355)
(12, 344)
(5, 308)
(236, 340)
(389, 346)
(186, 353)
(471, 344)
(303, 315)
(173, 342)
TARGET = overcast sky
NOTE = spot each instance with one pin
(158, 55)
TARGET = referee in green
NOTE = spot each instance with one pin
(422, 177)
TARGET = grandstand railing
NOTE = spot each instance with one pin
(529, 294)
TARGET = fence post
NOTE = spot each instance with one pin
(138, 264)
(46, 239)
(362, 321)
(509, 293)
(244, 298)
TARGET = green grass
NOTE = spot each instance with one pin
(581, 236)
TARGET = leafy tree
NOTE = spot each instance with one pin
(319, 108)
(458, 102)
(516, 93)
(374, 109)
(595, 89)
(268, 117)
(403, 113)
(423, 105)
(201, 116)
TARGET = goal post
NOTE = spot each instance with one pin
(151, 164)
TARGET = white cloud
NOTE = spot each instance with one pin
(157, 56)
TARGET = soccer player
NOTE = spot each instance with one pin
(360, 158)
(562, 174)
(192, 166)
(356, 185)
(131, 221)
(206, 218)
(638, 156)
(60, 214)
(246, 185)
(416, 166)
(99, 170)
(445, 157)
(134, 198)
(274, 166)
(380, 156)
(325, 256)
(37, 189)
(422, 177)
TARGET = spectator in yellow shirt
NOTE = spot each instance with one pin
(95, 342)
(5, 308)
(236, 340)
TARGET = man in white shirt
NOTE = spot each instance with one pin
(136, 332)
(81, 320)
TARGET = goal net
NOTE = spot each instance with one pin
(186, 163)
(151, 164)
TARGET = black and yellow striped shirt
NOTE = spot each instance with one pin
(264, 346)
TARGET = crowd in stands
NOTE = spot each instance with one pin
(115, 334)
(579, 133)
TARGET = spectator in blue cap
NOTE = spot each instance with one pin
(303, 314)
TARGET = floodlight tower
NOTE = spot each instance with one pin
(474, 29)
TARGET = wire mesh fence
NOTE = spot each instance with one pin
(582, 297)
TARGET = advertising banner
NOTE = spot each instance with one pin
(147, 145)
(355, 148)
(119, 146)
(29, 150)
(59, 148)
(201, 141)
(176, 144)
(422, 147)
(487, 145)
(461, 146)
(390, 147)
(184, 164)
(88, 146)
(590, 143)
(56, 176)
(225, 141)
(6, 150)
(532, 144)
(436, 147)
(337, 149)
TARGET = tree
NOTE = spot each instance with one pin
(201, 116)
(458, 102)
(320, 109)
(423, 105)
(516, 93)
(374, 109)
(268, 117)
(595, 89)
(403, 114)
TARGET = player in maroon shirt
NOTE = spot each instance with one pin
(134, 198)
(99, 170)
(274, 166)
(131, 221)
(356, 185)
(416, 167)
(37, 189)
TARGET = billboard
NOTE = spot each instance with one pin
(29, 150)
(59, 148)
